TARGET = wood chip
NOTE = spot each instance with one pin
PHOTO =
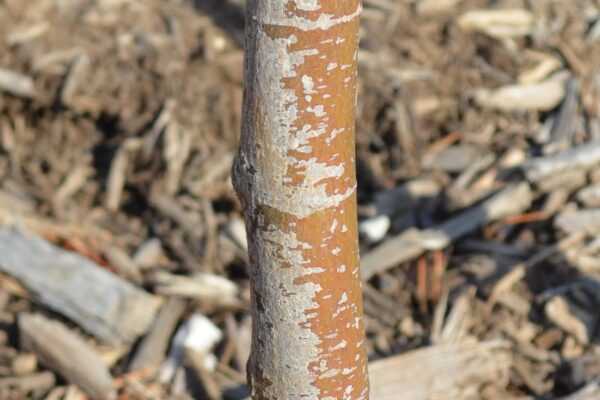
(587, 221)
(119, 259)
(67, 354)
(374, 229)
(557, 310)
(547, 65)
(78, 288)
(152, 350)
(27, 33)
(118, 172)
(412, 243)
(429, 7)
(201, 286)
(459, 320)
(582, 157)
(15, 83)
(75, 76)
(150, 254)
(449, 372)
(28, 383)
(563, 130)
(453, 159)
(501, 23)
(198, 333)
(543, 96)
(176, 152)
(590, 196)
(24, 364)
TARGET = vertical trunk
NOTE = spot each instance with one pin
(295, 176)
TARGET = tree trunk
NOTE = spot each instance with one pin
(295, 176)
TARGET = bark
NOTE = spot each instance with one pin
(295, 176)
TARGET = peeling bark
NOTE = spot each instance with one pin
(295, 176)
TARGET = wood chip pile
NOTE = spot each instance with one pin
(122, 250)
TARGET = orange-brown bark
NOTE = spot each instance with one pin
(295, 176)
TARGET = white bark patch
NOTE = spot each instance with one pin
(308, 5)
(304, 149)
(296, 345)
(274, 13)
(276, 63)
(339, 346)
(329, 374)
(308, 84)
(279, 119)
(315, 270)
(333, 226)
(348, 392)
(331, 336)
(317, 110)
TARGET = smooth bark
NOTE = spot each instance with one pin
(295, 176)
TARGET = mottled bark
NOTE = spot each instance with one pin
(295, 176)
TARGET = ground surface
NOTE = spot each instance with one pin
(118, 131)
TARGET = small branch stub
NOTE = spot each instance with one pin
(295, 177)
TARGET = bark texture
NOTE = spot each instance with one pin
(295, 176)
